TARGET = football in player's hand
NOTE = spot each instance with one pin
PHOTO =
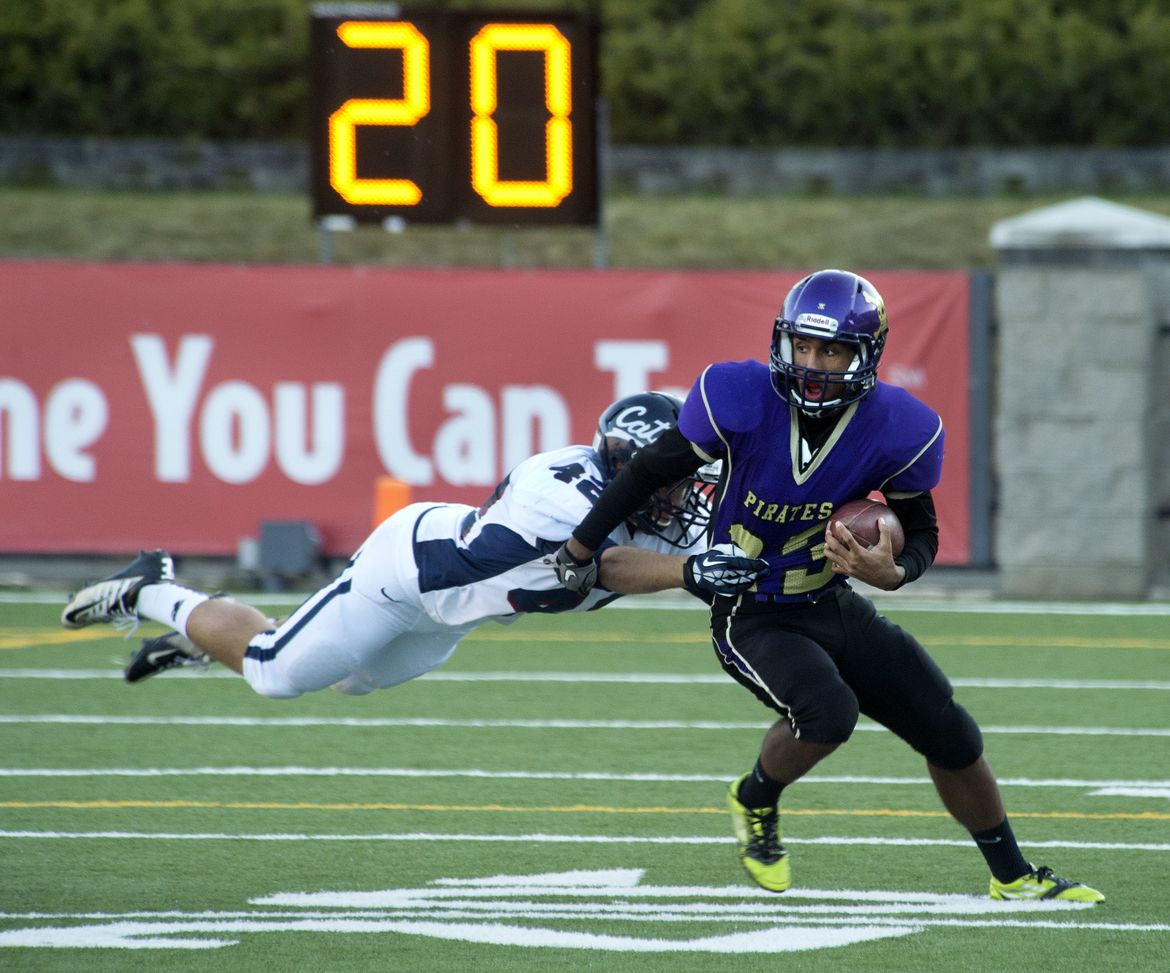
(862, 517)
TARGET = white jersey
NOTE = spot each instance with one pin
(432, 572)
(496, 561)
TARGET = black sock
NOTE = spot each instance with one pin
(1003, 855)
(758, 789)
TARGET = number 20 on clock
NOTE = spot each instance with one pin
(445, 117)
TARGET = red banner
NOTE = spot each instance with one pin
(179, 406)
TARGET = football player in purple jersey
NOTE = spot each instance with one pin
(799, 437)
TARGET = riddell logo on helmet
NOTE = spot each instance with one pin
(817, 323)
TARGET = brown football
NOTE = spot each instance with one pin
(862, 517)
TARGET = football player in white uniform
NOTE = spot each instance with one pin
(433, 572)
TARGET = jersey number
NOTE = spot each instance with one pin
(575, 471)
(799, 580)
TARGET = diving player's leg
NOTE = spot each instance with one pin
(367, 630)
(341, 628)
(425, 646)
(146, 589)
(223, 628)
(331, 637)
(413, 643)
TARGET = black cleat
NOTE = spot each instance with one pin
(168, 651)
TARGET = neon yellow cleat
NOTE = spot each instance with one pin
(758, 832)
(1040, 884)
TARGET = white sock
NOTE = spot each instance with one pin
(169, 603)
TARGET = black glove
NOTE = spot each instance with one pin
(576, 576)
(720, 572)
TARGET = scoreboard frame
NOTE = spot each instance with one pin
(453, 116)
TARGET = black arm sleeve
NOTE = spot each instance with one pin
(921, 528)
(661, 464)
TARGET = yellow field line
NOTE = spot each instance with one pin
(27, 638)
(553, 809)
(1036, 642)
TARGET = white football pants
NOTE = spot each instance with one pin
(363, 631)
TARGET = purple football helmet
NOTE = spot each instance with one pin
(636, 421)
(832, 305)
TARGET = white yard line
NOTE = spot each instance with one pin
(908, 601)
(370, 722)
(635, 678)
(634, 778)
(572, 839)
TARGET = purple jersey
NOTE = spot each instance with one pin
(778, 494)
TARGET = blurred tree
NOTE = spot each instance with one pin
(900, 73)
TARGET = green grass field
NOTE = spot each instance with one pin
(669, 232)
(553, 800)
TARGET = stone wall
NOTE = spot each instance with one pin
(1073, 389)
(1159, 431)
(283, 167)
(1082, 418)
(854, 171)
(153, 164)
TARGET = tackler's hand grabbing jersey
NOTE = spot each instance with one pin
(493, 563)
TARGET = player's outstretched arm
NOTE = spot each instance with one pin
(634, 571)
(662, 463)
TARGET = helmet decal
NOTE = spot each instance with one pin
(636, 424)
(628, 425)
(817, 324)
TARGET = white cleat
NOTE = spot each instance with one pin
(114, 600)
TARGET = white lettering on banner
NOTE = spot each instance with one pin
(464, 451)
(391, 392)
(526, 406)
(171, 396)
(236, 425)
(234, 432)
(907, 376)
(20, 454)
(631, 363)
(300, 463)
(465, 444)
(75, 417)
